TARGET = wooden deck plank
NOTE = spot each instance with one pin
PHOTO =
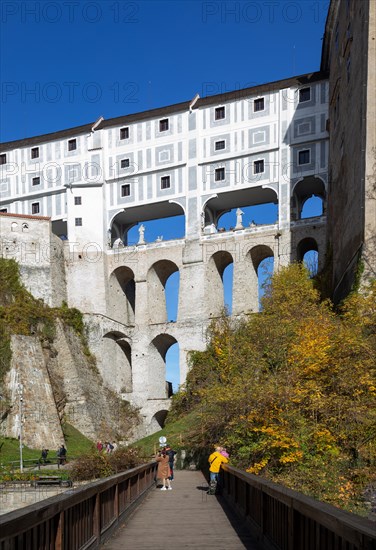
(185, 517)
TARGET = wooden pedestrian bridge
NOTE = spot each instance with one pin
(127, 511)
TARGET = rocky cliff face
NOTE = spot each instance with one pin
(30, 395)
(60, 383)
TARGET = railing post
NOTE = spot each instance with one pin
(263, 512)
(59, 540)
(116, 503)
(97, 517)
(290, 526)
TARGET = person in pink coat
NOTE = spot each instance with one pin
(163, 471)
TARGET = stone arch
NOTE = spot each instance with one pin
(256, 256)
(124, 220)
(157, 277)
(308, 252)
(216, 206)
(158, 421)
(303, 191)
(214, 281)
(117, 364)
(159, 388)
(122, 295)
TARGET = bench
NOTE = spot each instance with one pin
(52, 480)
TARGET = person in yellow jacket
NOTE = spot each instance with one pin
(215, 460)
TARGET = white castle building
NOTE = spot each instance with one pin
(70, 198)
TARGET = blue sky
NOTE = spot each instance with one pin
(67, 62)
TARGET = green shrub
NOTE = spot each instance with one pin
(96, 465)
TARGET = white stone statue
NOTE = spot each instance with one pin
(239, 219)
(141, 232)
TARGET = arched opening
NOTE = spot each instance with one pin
(265, 271)
(308, 253)
(258, 205)
(262, 258)
(218, 284)
(165, 229)
(159, 386)
(161, 303)
(122, 295)
(308, 198)
(116, 368)
(172, 367)
(253, 216)
(158, 421)
(314, 206)
(155, 222)
(172, 296)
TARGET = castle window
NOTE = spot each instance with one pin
(78, 222)
(124, 133)
(219, 145)
(35, 208)
(220, 113)
(124, 163)
(259, 167)
(77, 201)
(304, 157)
(163, 125)
(219, 174)
(304, 95)
(125, 190)
(165, 182)
(258, 105)
(72, 144)
(35, 152)
(36, 180)
(3, 159)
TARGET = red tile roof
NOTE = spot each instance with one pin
(28, 216)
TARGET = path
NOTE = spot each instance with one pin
(185, 517)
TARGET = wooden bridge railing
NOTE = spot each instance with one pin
(80, 518)
(283, 519)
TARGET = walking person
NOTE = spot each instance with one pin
(163, 471)
(44, 456)
(62, 455)
(215, 460)
(171, 460)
